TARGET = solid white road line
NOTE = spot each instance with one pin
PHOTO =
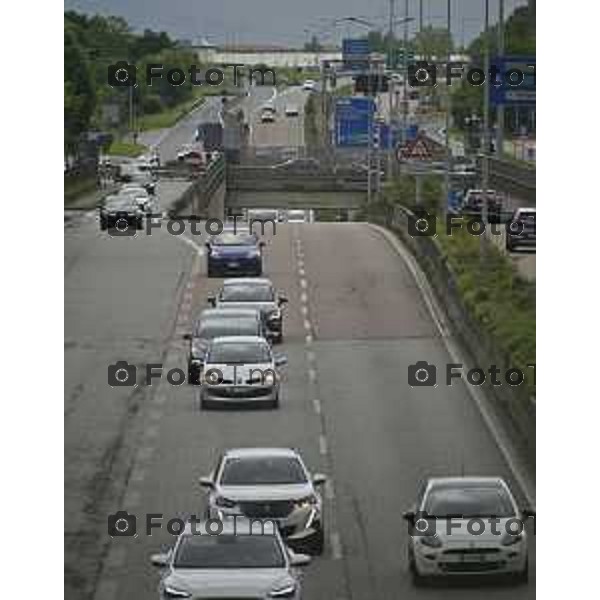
(322, 444)
(336, 546)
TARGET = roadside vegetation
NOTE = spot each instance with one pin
(123, 148)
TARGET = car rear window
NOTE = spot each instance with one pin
(247, 293)
(224, 327)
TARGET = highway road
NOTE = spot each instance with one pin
(355, 321)
(285, 131)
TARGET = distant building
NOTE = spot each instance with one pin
(271, 56)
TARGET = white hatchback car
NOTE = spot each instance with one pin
(467, 526)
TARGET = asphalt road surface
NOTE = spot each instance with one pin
(355, 321)
(285, 131)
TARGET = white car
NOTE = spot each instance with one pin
(296, 216)
(240, 370)
(141, 195)
(309, 85)
(267, 115)
(467, 526)
(291, 110)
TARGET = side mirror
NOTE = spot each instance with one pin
(528, 513)
(206, 482)
(280, 360)
(299, 560)
(319, 479)
(212, 299)
(187, 336)
(409, 516)
(261, 244)
(160, 560)
(283, 299)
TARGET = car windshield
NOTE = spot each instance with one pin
(233, 239)
(263, 470)
(209, 329)
(469, 502)
(247, 293)
(239, 353)
(254, 551)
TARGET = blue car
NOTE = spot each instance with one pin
(234, 254)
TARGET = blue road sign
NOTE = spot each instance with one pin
(355, 54)
(520, 94)
(353, 116)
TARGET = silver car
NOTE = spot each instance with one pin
(240, 370)
(467, 526)
(269, 483)
(239, 558)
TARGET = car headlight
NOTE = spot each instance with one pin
(224, 502)
(510, 540)
(307, 501)
(286, 591)
(171, 592)
(270, 379)
(432, 541)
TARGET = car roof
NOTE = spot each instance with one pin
(228, 313)
(530, 209)
(259, 452)
(466, 482)
(244, 339)
(240, 526)
(248, 281)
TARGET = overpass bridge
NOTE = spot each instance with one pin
(269, 187)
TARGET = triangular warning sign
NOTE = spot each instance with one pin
(418, 150)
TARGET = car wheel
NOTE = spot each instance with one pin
(275, 403)
(317, 545)
(103, 226)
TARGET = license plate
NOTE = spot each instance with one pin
(473, 558)
(233, 265)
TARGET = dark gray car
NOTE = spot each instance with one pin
(254, 292)
(218, 322)
(246, 559)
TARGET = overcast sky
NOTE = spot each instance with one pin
(281, 22)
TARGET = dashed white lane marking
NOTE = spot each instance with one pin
(312, 375)
(329, 490)
(322, 444)
(336, 546)
(303, 284)
(106, 590)
(301, 272)
(309, 339)
(304, 298)
(310, 356)
(307, 324)
(317, 406)
(304, 309)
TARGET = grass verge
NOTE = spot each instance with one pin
(122, 148)
(501, 301)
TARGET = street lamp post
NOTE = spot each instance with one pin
(448, 116)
